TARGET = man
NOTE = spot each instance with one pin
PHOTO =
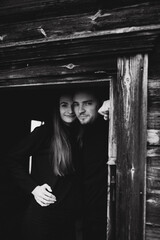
(94, 148)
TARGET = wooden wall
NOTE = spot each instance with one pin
(19, 9)
(28, 33)
(153, 146)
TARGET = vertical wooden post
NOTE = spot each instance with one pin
(131, 126)
(112, 155)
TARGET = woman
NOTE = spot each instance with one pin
(54, 179)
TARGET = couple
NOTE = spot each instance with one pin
(69, 171)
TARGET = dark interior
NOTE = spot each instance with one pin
(18, 107)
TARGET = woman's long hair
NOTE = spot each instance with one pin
(61, 153)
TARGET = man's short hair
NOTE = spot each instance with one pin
(93, 91)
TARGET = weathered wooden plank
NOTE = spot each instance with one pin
(142, 139)
(46, 81)
(51, 72)
(30, 10)
(154, 90)
(153, 118)
(48, 28)
(153, 190)
(76, 47)
(153, 179)
(131, 110)
(153, 161)
(153, 207)
(80, 24)
(25, 3)
(23, 10)
(153, 137)
(152, 232)
(135, 15)
(153, 151)
(73, 36)
(112, 146)
(112, 155)
(73, 66)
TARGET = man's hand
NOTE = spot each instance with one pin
(43, 195)
(104, 109)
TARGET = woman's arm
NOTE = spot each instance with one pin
(22, 151)
(15, 158)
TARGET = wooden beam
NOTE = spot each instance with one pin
(82, 70)
(81, 25)
(31, 10)
(132, 29)
(131, 111)
(37, 51)
(98, 44)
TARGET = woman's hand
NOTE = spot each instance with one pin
(43, 195)
(104, 109)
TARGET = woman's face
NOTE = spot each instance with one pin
(66, 109)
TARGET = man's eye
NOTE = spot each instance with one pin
(88, 103)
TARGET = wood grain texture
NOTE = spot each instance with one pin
(131, 110)
(152, 232)
(67, 42)
(153, 195)
(61, 48)
(98, 44)
(29, 10)
(96, 33)
(154, 89)
(33, 9)
(153, 119)
(62, 72)
(153, 151)
(153, 207)
(153, 137)
(78, 25)
(74, 66)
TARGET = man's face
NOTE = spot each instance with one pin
(86, 107)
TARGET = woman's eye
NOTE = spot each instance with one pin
(64, 105)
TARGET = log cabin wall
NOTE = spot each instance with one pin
(153, 147)
(27, 32)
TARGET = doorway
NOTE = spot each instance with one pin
(20, 106)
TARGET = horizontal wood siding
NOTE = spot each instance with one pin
(65, 49)
(19, 10)
(79, 25)
(153, 149)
